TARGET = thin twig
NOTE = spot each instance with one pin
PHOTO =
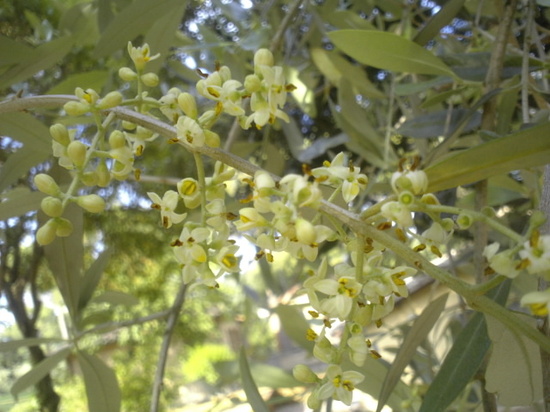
(278, 38)
(163, 355)
(108, 326)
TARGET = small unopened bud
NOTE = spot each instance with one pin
(76, 151)
(52, 206)
(127, 74)
(211, 139)
(429, 199)
(91, 203)
(46, 234)
(304, 374)
(89, 178)
(252, 83)
(76, 108)
(188, 105)
(150, 79)
(46, 184)
(117, 139)
(263, 57)
(305, 231)
(60, 134)
(103, 175)
(464, 221)
(111, 99)
(63, 228)
(489, 211)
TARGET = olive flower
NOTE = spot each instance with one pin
(167, 205)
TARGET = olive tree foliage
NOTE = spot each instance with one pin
(366, 145)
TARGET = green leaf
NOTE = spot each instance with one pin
(65, 256)
(101, 384)
(13, 51)
(26, 129)
(438, 21)
(19, 201)
(388, 51)
(92, 277)
(81, 22)
(524, 149)
(94, 79)
(11, 345)
(463, 360)
(41, 58)
(439, 123)
(250, 389)
(132, 21)
(38, 371)
(294, 325)
(417, 334)
(113, 297)
(514, 370)
(272, 376)
(162, 35)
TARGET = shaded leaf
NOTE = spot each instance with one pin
(416, 335)
(101, 384)
(19, 164)
(92, 277)
(65, 256)
(272, 376)
(438, 21)
(388, 51)
(11, 345)
(13, 51)
(295, 325)
(113, 297)
(250, 389)
(81, 22)
(132, 21)
(41, 58)
(38, 371)
(94, 79)
(26, 129)
(19, 201)
(514, 370)
(463, 360)
(524, 149)
(439, 123)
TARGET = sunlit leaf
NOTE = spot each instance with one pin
(514, 370)
(524, 149)
(463, 360)
(250, 389)
(101, 384)
(113, 297)
(388, 51)
(416, 335)
(38, 371)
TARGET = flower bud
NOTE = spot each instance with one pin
(46, 234)
(252, 83)
(416, 181)
(263, 57)
(117, 139)
(76, 108)
(46, 184)
(91, 203)
(60, 134)
(111, 99)
(63, 228)
(127, 74)
(537, 219)
(489, 211)
(211, 139)
(52, 206)
(188, 105)
(76, 151)
(103, 175)
(150, 79)
(89, 178)
(464, 221)
(429, 199)
(305, 231)
(304, 374)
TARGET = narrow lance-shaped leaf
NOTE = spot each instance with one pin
(463, 360)
(12, 345)
(101, 384)
(388, 51)
(524, 149)
(417, 334)
(38, 371)
(249, 386)
(91, 278)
